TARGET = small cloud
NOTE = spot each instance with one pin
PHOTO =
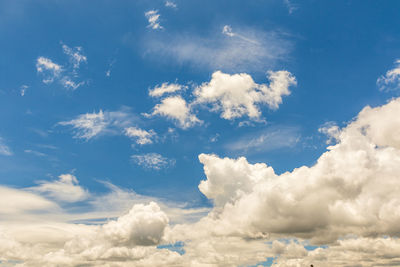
(165, 88)
(391, 80)
(152, 161)
(154, 19)
(176, 108)
(141, 136)
(171, 4)
(23, 89)
(4, 149)
(89, 125)
(55, 72)
(227, 30)
(331, 130)
(290, 6)
(36, 153)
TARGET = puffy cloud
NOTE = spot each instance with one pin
(391, 80)
(331, 130)
(238, 95)
(176, 108)
(348, 191)
(94, 124)
(142, 137)
(65, 189)
(4, 149)
(152, 161)
(165, 88)
(154, 19)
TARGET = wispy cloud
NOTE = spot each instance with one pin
(271, 138)
(391, 80)
(90, 125)
(243, 50)
(142, 137)
(4, 149)
(153, 18)
(65, 74)
(153, 161)
(171, 4)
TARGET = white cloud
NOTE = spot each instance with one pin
(34, 152)
(171, 4)
(165, 88)
(238, 95)
(154, 19)
(176, 108)
(245, 50)
(266, 140)
(331, 130)
(142, 137)
(65, 189)
(48, 68)
(152, 161)
(348, 200)
(391, 80)
(4, 149)
(23, 89)
(76, 56)
(290, 6)
(227, 30)
(55, 72)
(348, 191)
(94, 124)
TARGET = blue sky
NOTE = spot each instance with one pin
(100, 98)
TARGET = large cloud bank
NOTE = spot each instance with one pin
(348, 202)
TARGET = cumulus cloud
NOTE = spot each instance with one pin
(65, 189)
(238, 95)
(165, 88)
(348, 191)
(176, 108)
(153, 161)
(141, 136)
(90, 125)
(343, 210)
(153, 18)
(391, 80)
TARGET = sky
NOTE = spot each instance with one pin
(199, 133)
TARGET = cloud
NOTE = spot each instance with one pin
(142, 137)
(23, 89)
(65, 189)
(165, 88)
(348, 191)
(343, 210)
(290, 6)
(391, 80)
(245, 50)
(269, 139)
(76, 56)
(48, 68)
(238, 95)
(4, 149)
(34, 152)
(152, 161)
(90, 125)
(176, 108)
(331, 130)
(63, 74)
(171, 4)
(154, 19)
